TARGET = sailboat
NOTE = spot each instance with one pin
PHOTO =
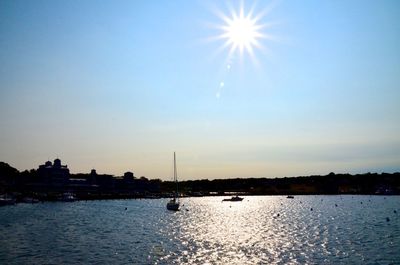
(173, 204)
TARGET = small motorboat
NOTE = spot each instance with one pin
(233, 199)
(290, 197)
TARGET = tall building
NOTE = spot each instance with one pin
(54, 174)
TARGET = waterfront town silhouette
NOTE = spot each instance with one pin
(53, 180)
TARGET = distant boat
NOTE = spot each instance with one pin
(290, 197)
(173, 204)
(67, 197)
(5, 200)
(233, 199)
(29, 200)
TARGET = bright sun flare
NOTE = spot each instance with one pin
(241, 32)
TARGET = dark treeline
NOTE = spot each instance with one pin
(53, 179)
(368, 183)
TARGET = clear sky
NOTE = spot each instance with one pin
(121, 85)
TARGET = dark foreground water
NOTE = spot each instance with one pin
(258, 230)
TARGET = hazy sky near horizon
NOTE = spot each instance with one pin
(121, 85)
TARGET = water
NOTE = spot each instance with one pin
(258, 230)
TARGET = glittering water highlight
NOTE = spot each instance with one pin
(258, 230)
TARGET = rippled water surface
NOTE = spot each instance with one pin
(258, 230)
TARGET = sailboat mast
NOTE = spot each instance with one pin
(175, 176)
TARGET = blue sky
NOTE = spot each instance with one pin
(121, 85)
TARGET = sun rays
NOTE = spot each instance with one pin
(241, 32)
(244, 32)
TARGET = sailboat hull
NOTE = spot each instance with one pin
(173, 206)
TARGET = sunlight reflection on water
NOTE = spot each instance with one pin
(276, 230)
(257, 230)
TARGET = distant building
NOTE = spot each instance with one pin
(126, 184)
(128, 176)
(54, 175)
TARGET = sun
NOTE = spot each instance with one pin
(242, 32)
